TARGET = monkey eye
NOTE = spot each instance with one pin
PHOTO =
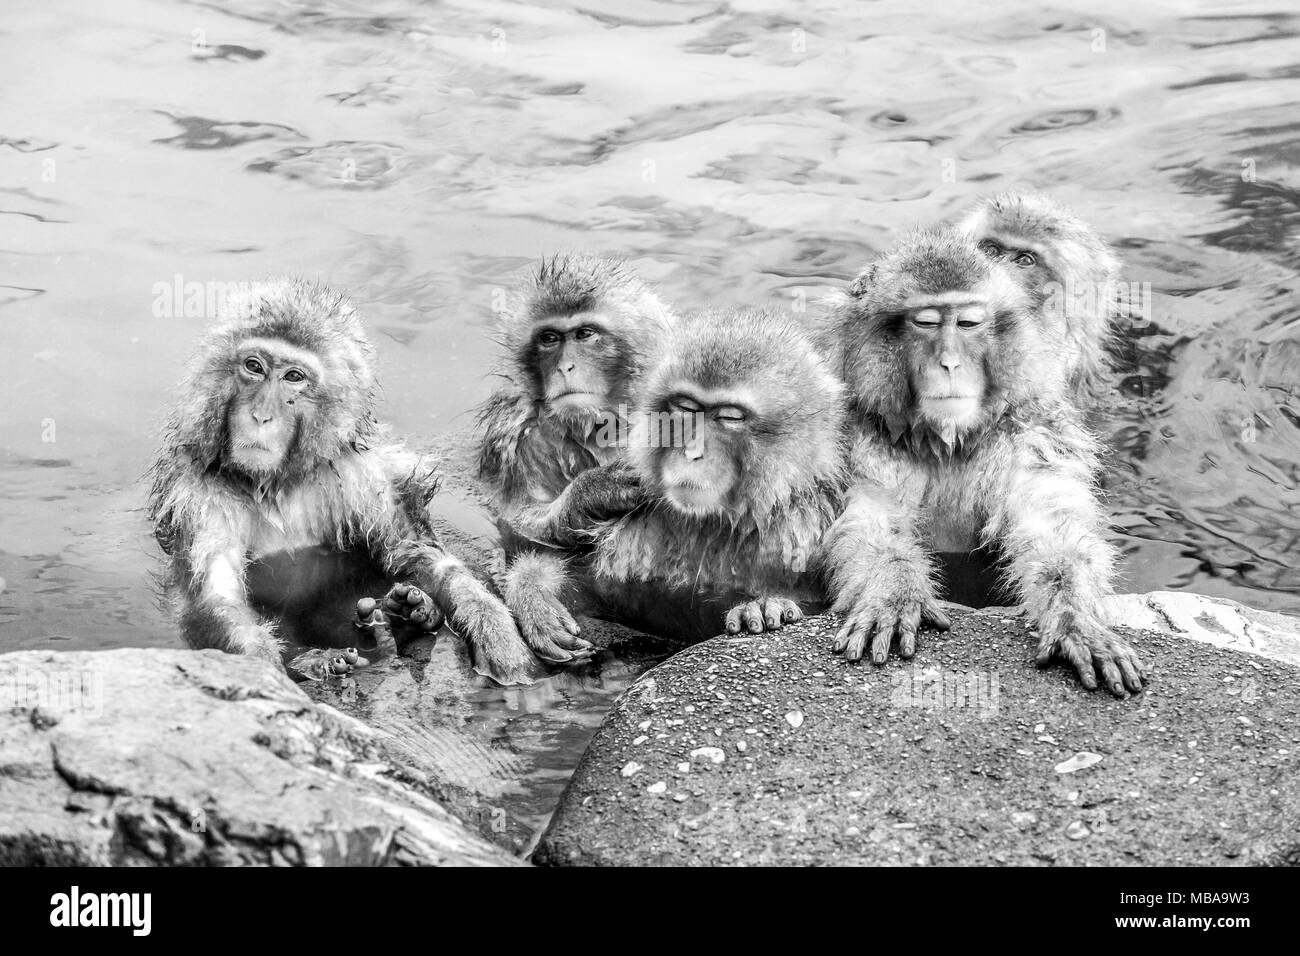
(991, 249)
(295, 376)
(927, 319)
(729, 415)
(549, 338)
(970, 323)
(254, 366)
(680, 403)
(585, 333)
(1025, 260)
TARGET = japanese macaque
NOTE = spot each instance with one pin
(576, 337)
(967, 437)
(272, 447)
(739, 443)
(1067, 268)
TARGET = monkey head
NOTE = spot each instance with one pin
(938, 340)
(284, 382)
(579, 335)
(740, 417)
(1043, 242)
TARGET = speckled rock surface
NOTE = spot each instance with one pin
(771, 750)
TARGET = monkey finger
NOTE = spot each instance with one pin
(908, 625)
(886, 624)
(935, 616)
(857, 643)
(734, 620)
(793, 612)
(415, 596)
(1074, 651)
(365, 608)
(1110, 674)
(772, 614)
(1134, 672)
(752, 615)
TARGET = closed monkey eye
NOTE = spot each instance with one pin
(927, 319)
(729, 415)
(680, 403)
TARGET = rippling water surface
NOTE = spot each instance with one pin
(748, 152)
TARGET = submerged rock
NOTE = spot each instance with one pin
(950, 758)
(178, 757)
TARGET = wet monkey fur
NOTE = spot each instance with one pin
(738, 441)
(576, 337)
(273, 446)
(967, 436)
(1068, 269)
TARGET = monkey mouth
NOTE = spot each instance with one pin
(572, 393)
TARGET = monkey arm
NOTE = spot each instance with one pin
(215, 611)
(1045, 514)
(879, 576)
(593, 497)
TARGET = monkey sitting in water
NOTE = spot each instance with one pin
(272, 447)
(967, 436)
(577, 337)
(738, 443)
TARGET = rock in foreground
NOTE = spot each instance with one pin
(202, 758)
(771, 750)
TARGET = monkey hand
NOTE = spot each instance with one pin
(1093, 649)
(498, 649)
(770, 614)
(882, 614)
(550, 630)
(599, 494)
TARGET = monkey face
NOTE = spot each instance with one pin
(572, 359)
(702, 440)
(947, 345)
(274, 393)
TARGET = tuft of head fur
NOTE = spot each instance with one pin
(795, 453)
(1020, 369)
(303, 314)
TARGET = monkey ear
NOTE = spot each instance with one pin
(863, 282)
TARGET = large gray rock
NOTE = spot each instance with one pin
(771, 750)
(198, 757)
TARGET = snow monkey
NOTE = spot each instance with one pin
(738, 441)
(1064, 264)
(273, 446)
(576, 337)
(967, 436)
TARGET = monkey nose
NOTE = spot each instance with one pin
(949, 362)
(262, 418)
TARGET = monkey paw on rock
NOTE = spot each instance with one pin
(1093, 649)
(882, 622)
(765, 614)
